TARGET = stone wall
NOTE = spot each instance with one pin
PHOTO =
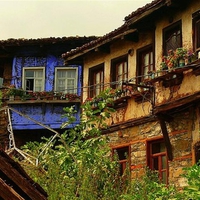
(180, 134)
(6, 67)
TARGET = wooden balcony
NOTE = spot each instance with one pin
(175, 76)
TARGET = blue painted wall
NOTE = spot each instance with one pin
(48, 114)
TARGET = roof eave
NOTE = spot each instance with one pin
(145, 13)
(87, 50)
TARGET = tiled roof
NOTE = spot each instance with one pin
(114, 33)
(143, 9)
(93, 43)
(51, 40)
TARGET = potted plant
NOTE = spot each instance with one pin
(192, 56)
(57, 95)
(15, 93)
(71, 97)
(181, 54)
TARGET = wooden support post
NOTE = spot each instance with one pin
(165, 136)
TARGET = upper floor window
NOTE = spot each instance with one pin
(157, 159)
(145, 63)
(66, 79)
(172, 37)
(123, 154)
(96, 80)
(196, 30)
(33, 78)
(119, 71)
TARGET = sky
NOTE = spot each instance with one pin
(63, 18)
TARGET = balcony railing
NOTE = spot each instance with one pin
(18, 96)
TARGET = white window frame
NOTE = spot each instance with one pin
(33, 68)
(76, 79)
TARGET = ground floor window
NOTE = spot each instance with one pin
(157, 159)
(123, 154)
(197, 152)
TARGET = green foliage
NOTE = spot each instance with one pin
(192, 175)
(148, 187)
(80, 165)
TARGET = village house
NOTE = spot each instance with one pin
(152, 64)
(36, 86)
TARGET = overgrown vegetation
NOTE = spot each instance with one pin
(80, 164)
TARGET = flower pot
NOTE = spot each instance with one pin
(181, 62)
(11, 98)
(17, 98)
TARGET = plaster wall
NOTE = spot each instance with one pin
(190, 83)
(117, 49)
(184, 128)
(185, 15)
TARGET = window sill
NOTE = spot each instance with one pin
(42, 101)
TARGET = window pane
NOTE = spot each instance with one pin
(34, 79)
(29, 84)
(122, 167)
(96, 80)
(158, 147)
(38, 85)
(155, 163)
(146, 69)
(123, 153)
(164, 162)
(39, 74)
(71, 73)
(121, 73)
(198, 33)
(125, 68)
(70, 85)
(151, 56)
(120, 67)
(146, 59)
(60, 74)
(29, 73)
(157, 159)
(66, 80)
(162, 147)
(98, 76)
(172, 39)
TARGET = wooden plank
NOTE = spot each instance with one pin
(177, 103)
(165, 137)
(19, 180)
(128, 124)
(7, 192)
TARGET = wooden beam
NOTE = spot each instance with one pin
(177, 103)
(128, 124)
(165, 137)
(22, 182)
(7, 192)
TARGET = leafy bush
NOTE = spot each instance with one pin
(192, 175)
(79, 164)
